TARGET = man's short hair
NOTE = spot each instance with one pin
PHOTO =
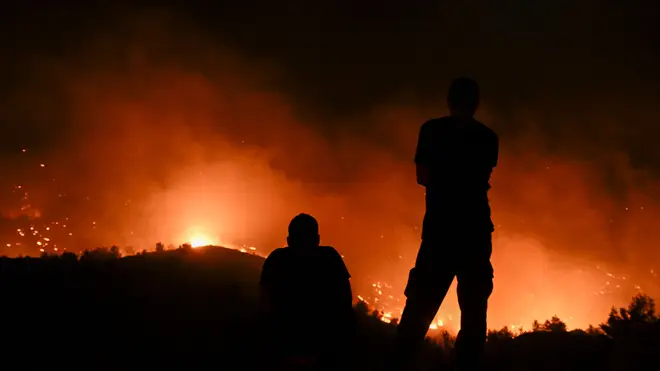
(463, 94)
(303, 226)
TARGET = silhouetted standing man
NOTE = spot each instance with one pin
(307, 293)
(455, 157)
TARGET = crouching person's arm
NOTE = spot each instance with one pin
(347, 295)
(265, 301)
(349, 324)
(266, 309)
(266, 288)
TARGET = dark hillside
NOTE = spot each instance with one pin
(198, 309)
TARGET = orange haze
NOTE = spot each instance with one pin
(190, 142)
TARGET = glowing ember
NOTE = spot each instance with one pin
(437, 324)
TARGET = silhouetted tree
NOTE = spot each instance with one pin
(500, 335)
(639, 315)
(68, 255)
(554, 324)
(101, 254)
(114, 252)
(446, 339)
(591, 330)
(160, 247)
(361, 308)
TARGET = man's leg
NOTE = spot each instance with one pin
(338, 346)
(427, 287)
(475, 285)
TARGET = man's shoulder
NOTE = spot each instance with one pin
(485, 130)
(436, 122)
(277, 254)
(335, 260)
(272, 267)
(329, 251)
(330, 254)
(451, 122)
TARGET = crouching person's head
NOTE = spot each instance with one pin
(303, 232)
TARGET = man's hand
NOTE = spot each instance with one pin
(422, 175)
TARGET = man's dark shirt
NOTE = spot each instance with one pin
(307, 286)
(460, 155)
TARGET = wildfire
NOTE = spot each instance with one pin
(200, 239)
(437, 324)
(539, 296)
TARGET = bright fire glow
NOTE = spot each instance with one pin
(199, 239)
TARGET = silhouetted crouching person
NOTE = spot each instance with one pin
(307, 293)
(455, 157)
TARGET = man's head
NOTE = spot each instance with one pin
(303, 232)
(463, 97)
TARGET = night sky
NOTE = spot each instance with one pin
(592, 63)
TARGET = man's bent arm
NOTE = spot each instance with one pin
(422, 156)
(495, 150)
(422, 175)
(347, 294)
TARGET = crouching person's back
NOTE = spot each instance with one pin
(308, 301)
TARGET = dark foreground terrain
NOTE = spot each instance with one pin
(198, 309)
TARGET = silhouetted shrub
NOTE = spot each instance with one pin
(500, 335)
(554, 324)
(638, 317)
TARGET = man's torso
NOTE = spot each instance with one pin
(459, 156)
(305, 283)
